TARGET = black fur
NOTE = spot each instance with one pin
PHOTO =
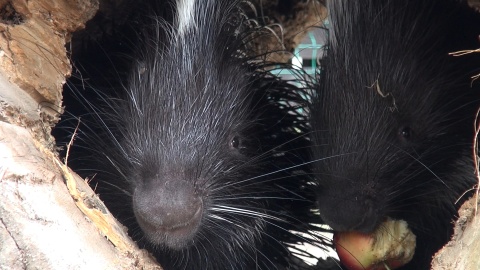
(198, 154)
(393, 116)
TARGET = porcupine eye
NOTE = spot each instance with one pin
(235, 142)
(405, 134)
(242, 145)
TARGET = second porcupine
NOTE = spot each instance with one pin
(393, 117)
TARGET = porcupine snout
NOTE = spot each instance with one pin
(168, 212)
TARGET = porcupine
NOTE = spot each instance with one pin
(200, 152)
(393, 117)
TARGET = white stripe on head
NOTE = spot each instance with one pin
(185, 15)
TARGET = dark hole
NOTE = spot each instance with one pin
(8, 15)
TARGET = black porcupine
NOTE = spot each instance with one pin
(393, 117)
(199, 153)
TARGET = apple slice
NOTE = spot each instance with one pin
(391, 246)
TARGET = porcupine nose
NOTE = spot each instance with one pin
(168, 213)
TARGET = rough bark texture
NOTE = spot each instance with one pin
(33, 35)
(463, 251)
(41, 225)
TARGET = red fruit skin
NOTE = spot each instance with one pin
(352, 249)
(355, 252)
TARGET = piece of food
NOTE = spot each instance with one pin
(391, 246)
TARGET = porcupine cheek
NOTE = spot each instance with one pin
(169, 213)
